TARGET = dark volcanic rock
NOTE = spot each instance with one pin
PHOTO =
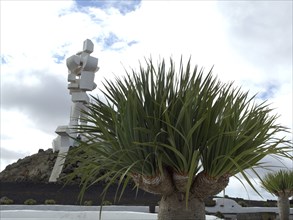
(34, 168)
(29, 178)
(37, 168)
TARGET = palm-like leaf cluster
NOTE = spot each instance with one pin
(162, 122)
(279, 183)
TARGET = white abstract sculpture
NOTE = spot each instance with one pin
(81, 74)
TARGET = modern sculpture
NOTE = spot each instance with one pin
(81, 74)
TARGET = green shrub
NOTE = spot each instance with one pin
(106, 202)
(243, 204)
(266, 204)
(88, 203)
(6, 201)
(270, 204)
(219, 215)
(50, 202)
(30, 202)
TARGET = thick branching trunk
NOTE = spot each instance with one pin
(173, 187)
(284, 207)
(180, 181)
(205, 186)
(173, 207)
(160, 184)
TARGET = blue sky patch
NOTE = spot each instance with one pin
(132, 43)
(4, 59)
(108, 42)
(124, 6)
(269, 91)
(58, 58)
(111, 39)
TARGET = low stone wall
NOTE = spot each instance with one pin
(68, 194)
(257, 216)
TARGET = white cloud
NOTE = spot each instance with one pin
(19, 135)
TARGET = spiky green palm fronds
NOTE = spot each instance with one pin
(175, 130)
(279, 183)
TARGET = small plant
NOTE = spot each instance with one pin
(267, 204)
(219, 215)
(88, 203)
(50, 202)
(6, 201)
(270, 204)
(30, 202)
(243, 204)
(280, 184)
(106, 202)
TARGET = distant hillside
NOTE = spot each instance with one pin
(36, 168)
(29, 178)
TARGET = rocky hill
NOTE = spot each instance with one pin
(34, 168)
(28, 178)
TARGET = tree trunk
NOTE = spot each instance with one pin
(173, 207)
(284, 207)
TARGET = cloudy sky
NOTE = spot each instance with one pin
(249, 42)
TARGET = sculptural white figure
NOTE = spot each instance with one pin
(81, 74)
